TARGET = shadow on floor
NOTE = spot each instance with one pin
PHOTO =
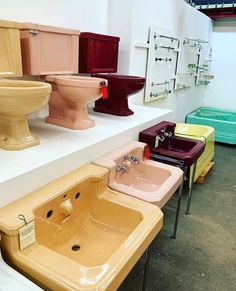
(203, 257)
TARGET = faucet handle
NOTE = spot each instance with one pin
(134, 159)
(127, 158)
(121, 168)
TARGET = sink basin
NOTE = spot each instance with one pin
(147, 180)
(179, 148)
(87, 237)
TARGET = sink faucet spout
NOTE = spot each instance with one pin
(66, 207)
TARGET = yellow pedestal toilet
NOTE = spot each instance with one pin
(17, 98)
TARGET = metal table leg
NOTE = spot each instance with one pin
(181, 187)
(146, 269)
(190, 189)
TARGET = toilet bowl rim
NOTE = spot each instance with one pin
(77, 81)
(22, 85)
(119, 77)
(25, 89)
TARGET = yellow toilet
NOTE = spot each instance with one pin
(17, 98)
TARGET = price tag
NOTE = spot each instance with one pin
(27, 235)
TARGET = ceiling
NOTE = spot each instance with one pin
(215, 8)
(205, 2)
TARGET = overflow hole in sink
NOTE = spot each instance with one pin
(75, 248)
(64, 196)
(50, 214)
(77, 195)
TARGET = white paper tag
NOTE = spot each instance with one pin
(157, 141)
(27, 235)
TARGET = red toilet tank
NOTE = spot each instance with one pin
(98, 53)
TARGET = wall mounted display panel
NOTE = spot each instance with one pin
(204, 75)
(161, 63)
(186, 72)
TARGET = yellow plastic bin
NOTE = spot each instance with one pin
(203, 133)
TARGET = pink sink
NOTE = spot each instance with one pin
(132, 174)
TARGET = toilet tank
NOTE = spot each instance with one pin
(10, 51)
(98, 53)
(48, 50)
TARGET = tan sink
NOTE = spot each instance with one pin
(132, 174)
(88, 237)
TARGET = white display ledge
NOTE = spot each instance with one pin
(62, 150)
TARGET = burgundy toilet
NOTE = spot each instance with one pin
(99, 54)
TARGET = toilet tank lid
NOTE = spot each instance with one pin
(99, 36)
(41, 27)
(10, 24)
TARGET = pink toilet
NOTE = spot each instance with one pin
(99, 54)
(52, 53)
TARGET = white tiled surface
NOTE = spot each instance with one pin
(63, 150)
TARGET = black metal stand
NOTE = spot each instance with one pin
(180, 164)
(181, 187)
(146, 269)
(190, 188)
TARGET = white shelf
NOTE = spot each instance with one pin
(62, 150)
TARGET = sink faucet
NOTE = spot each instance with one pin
(168, 134)
(121, 168)
(66, 207)
(165, 134)
(134, 159)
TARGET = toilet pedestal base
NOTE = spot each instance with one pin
(72, 125)
(114, 107)
(76, 118)
(15, 133)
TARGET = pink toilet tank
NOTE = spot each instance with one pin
(99, 54)
(42, 46)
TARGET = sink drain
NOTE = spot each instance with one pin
(75, 248)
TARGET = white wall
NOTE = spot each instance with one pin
(131, 21)
(86, 15)
(221, 92)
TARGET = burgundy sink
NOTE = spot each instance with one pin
(171, 146)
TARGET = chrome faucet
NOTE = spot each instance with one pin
(165, 134)
(168, 134)
(134, 159)
(121, 168)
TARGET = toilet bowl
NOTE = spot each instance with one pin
(69, 99)
(17, 98)
(119, 89)
(52, 53)
(99, 54)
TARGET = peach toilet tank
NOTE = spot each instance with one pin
(42, 46)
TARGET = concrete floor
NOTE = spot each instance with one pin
(203, 257)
